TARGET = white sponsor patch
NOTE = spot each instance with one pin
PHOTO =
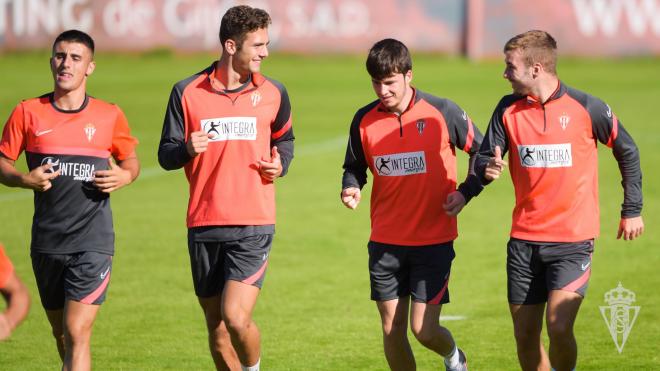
(546, 155)
(400, 164)
(230, 128)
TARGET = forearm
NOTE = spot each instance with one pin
(11, 177)
(173, 155)
(18, 302)
(285, 149)
(627, 156)
(132, 166)
(472, 186)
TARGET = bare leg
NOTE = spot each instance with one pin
(238, 301)
(222, 351)
(394, 320)
(425, 325)
(527, 326)
(78, 321)
(56, 317)
(563, 307)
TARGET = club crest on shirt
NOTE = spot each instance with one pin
(400, 164)
(230, 128)
(420, 126)
(90, 130)
(564, 119)
(255, 98)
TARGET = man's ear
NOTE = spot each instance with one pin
(537, 68)
(230, 46)
(90, 68)
(408, 75)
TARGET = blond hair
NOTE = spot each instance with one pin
(536, 47)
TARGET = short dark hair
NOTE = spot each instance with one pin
(75, 36)
(239, 20)
(535, 46)
(387, 57)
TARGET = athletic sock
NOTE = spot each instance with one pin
(453, 359)
(255, 367)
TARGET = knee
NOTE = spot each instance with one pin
(237, 322)
(423, 334)
(527, 337)
(78, 334)
(395, 328)
(559, 330)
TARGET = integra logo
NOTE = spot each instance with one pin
(230, 128)
(76, 170)
(545, 155)
(400, 164)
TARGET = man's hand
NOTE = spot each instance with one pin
(40, 177)
(630, 228)
(351, 197)
(454, 203)
(112, 179)
(495, 166)
(270, 170)
(197, 143)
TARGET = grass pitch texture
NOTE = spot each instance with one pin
(314, 312)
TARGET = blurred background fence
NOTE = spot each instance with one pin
(474, 28)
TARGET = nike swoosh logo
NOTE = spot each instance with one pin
(105, 273)
(585, 266)
(42, 132)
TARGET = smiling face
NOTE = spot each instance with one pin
(394, 91)
(252, 52)
(70, 64)
(518, 73)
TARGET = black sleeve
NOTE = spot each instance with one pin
(495, 136)
(282, 130)
(172, 152)
(467, 137)
(355, 164)
(609, 131)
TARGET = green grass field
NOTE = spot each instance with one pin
(314, 312)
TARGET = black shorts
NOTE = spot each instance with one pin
(82, 277)
(421, 271)
(535, 268)
(213, 263)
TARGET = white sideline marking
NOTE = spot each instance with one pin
(155, 171)
(452, 318)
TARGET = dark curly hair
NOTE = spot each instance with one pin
(239, 20)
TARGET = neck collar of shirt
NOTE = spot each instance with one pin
(51, 99)
(558, 93)
(255, 79)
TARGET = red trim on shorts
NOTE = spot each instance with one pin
(581, 281)
(255, 277)
(91, 298)
(437, 298)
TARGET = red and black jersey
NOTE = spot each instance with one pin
(413, 162)
(554, 165)
(226, 188)
(72, 216)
